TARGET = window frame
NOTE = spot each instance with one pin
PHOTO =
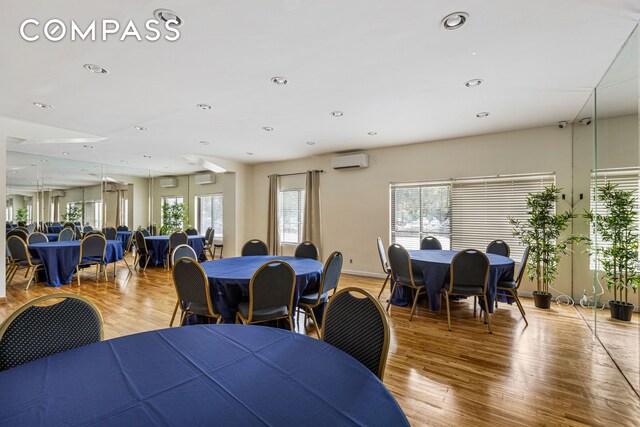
(300, 214)
(219, 233)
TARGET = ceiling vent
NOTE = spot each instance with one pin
(168, 182)
(205, 178)
(350, 161)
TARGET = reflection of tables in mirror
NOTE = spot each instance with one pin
(158, 245)
(229, 279)
(58, 228)
(199, 375)
(53, 237)
(60, 258)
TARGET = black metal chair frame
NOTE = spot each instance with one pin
(140, 244)
(14, 264)
(418, 289)
(185, 311)
(99, 264)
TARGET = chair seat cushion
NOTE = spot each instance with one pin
(91, 260)
(263, 314)
(466, 290)
(195, 308)
(418, 279)
(34, 261)
(310, 299)
(508, 285)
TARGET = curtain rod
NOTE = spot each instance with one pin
(470, 178)
(299, 173)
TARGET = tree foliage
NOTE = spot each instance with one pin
(174, 218)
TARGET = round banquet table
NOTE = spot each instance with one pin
(229, 279)
(124, 236)
(60, 258)
(198, 375)
(434, 266)
(158, 245)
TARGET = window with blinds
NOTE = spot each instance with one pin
(626, 180)
(418, 211)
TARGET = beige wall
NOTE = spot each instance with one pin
(355, 203)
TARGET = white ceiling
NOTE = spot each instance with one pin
(387, 64)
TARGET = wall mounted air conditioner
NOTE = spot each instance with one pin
(205, 178)
(111, 187)
(57, 193)
(350, 161)
(168, 182)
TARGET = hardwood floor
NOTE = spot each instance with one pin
(552, 372)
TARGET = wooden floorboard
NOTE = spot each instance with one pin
(552, 372)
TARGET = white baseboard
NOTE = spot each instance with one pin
(365, 274)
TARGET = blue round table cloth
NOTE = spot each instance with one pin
(222, 375)
(60, 258)
(53, 237)
(125, 237)
(434, 265)
(158, 245)
(229, 279)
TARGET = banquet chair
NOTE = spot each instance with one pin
(92, 252)
(328, 282)
(92, 232)
(22, 228)
(430, 242)
(20, 257)
(69, 225)
(175, 239)
(19, 233)
(22, 224)
(153, 230)
(307, 250)
(512, 286)
(127, 251)
(145, 232)
(358, 326)
(219, 245)
(208, 242)
(141, 250)
(33, 331)
(122, 228)
(271, 293)
(402, 274)
(191, 231)
(385, 265)
(110, 233)
(498, 247)
(254, 247)
(469, 275)
(86, 229)
(192, 287)
(66, 235)
(31, 228)
(181, 251)
(37, 238)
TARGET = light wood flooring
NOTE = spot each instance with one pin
(552, 372)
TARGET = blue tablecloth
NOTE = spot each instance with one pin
(434, 266)
(53, 237)
(60, 258)
(226, 375)
(158, 245)
(229, 279)
(125, 236)
(58, 228)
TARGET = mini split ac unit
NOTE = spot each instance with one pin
(57, 193)
(111, 187)
(168, 182)
(205, 178)
(350, 161)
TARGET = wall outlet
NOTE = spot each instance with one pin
(350, 261)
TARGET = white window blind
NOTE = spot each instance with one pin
(626, 180)
(481, 209)
(291, 206)
(418, 211)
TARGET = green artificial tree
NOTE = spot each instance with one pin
(174, 218)
(74, 213)
(22, 215)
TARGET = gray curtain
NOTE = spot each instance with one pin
(312, 230)
(119, 196)
(273, 236)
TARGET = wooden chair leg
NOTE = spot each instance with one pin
(446, 299)
(384, 285)
(486, 309)
(393, 289)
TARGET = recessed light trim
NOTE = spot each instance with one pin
(64, 153)
(96, 69)
(87, 146)
(43, 105)
(192, 163)
(372, 133)
(337, 113)
(249, 153)
(280, 81)
(146, 156)
(204, 142)
(474, 83)
(311, 143)
(123, 161)
(141, 128)
(204, 106)
(482, 114)
(166, 15)
(455, 20)
(267, 128)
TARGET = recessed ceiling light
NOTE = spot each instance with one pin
(482, 114)
(167, 167)
(14, 171)
(474, 83)
(87, 146)
(454, 20)
(192, 163)
(267, 128)
(33, 165)
(311, 143)
(280, 81)
(166, 15)
(95, 69)
(123, 161)
(337, 113)
(44, 160)
(250, 153)
(204, 142)
(42, 105)
(372, 133)
(64, 153)
(84, 170)
(146, 156)
(204, 106)
(141, 128)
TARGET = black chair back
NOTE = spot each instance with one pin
(92, 232)
(92, 248)
(358, 326)
(331, 273)
(70, 225)
(210, 236)
(86, 229)
(19, 233)
(306, 250)
(33, 332)
(178, 238)
(192, 285)
(22, 228)
(141, 244)
(383, 256)
(122, 228)
(153, 230)
(37, 238)
(145, 232)
(431, 242)
(191, 231)
(207, 233)
(400, 264)
(110, 233)
(272, 286)
(498, 247)
(183, 251)
(31, 227)
(17, 248)
(66, 235)
(523, 266)
(469, 268)
(254, 247)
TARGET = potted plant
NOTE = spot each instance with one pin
(174, 218)
(618, 251)
(22, 215)
(74, 213)
(541, 232)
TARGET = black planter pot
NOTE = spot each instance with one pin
(542, 299)
(621, 311)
